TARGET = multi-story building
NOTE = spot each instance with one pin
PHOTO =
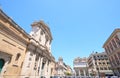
(80, 66)
(112, 48)
(99, 65)
(62, 68)
(13, 45)
(23, 55)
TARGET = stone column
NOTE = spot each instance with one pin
(39, 64)
(26, 65)
(45, 69)
(79, 73)
(33, 71)
(49, 69)
(40, 73)
(84, 72)
(75, 72)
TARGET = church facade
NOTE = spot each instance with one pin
(38, 61)
(25, 55)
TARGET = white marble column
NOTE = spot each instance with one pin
(45, 69)
(33, 72)
(40, 73)
(38, 67)
(39, 64)
(49, 69)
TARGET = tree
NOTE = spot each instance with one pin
(68, 74)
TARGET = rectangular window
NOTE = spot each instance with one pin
(116, 59)
(105, 68)
(118, 54)
(108, 49)
(117, 40)
(109, 68)
(17, 57)
(114, 44)
(101, 68)
(43, 64)
(113, 61)
(111, 47)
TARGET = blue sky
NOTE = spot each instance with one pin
(78, 27)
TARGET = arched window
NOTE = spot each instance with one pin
(17, 57)
(2, 62)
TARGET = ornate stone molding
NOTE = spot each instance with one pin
(44, 27)
(13, 23)
(13, 36)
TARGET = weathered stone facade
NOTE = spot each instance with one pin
(23, 55)
(13, 44)
(80, 66)
(99, 65)
(38, 59)
(62, 69)
(112, 49)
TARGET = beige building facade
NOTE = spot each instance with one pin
(80, 66)
(23, 55)
(112, 48)
(13, 44)
(38, 59)
(99, 65)
(62, 69)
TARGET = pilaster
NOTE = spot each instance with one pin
(79, 72)
(84, 72)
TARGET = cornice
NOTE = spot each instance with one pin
(31, 47)
(33, 42)
(36, 43)
(35, 46)
(44, 26)
(114, 52)
(15, 25)
(5, 53)
(10, 34)
(111, 36)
